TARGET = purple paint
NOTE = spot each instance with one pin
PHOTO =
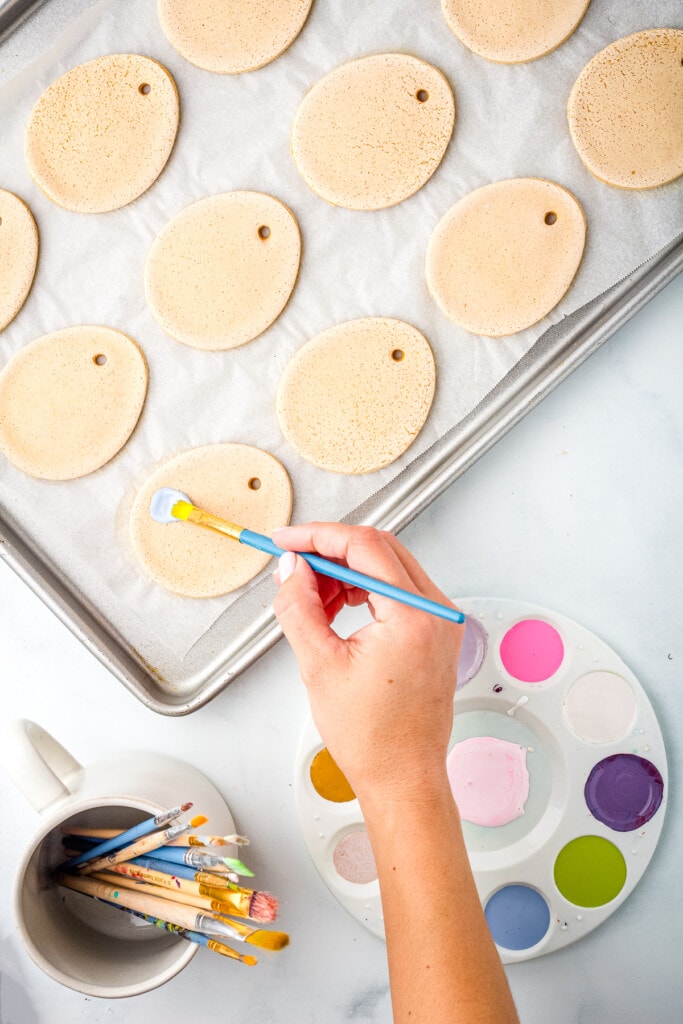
(472, 652)
(623, 791)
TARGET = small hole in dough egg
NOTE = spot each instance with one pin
(145, 89)
(550, 218)
(254, 484)
(264, 231)
(397, 355)
(422, 95)
(100, 359)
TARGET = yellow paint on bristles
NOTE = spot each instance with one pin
(198, 820)
(181, 510)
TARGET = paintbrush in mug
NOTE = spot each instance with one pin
(175, 913)
(95, 834)
(211, 901)
(129, 835)
(259, 906)
(202, 860)
(171, 506)
(153, 841)
(186, 933)
(209, 876)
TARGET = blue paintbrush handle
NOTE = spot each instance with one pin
(356, 579)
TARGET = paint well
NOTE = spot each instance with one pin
(353, 858)
(518, 917)
(532, 651)
(600, 707)
(489, 780)
(329, 780)
(472, 652)
(590, 871)
(624, 791)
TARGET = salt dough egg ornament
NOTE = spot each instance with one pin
(513, 31)
(230, 38)
(128, 100)
(505, 254)
(626, 110)
(70, 400)
(373, 131)
(355, 397)
(18, 255)
(235, 481)
(223, 269)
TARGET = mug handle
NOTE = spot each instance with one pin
(40, 766)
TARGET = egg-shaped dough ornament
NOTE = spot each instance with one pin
(371, 133)
(223, 269)
(237, 482)
(504, 255)
(101, 134)
(355, 397)
(513, 31)
(232, 37)
(70, 400)
(18, 255)
(626, 110)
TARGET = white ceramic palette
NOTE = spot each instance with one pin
(597, 782)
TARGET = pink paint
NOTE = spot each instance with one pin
(353, 858)
(532, 651)
(489, 780)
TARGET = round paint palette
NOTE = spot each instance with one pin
(556, 747)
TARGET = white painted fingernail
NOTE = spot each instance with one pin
(286, 565)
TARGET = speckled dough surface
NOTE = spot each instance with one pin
(245, 485)
(130, 101)
(373, 131)
(241, 35)
(505, 254)
(223, 269)
(355, 397)
(513, 31)
(626, 110)
(18, 255)
(70, 400)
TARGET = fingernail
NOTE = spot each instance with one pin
(286, 565)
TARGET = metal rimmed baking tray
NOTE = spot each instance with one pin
(248, 628)
(177, 684)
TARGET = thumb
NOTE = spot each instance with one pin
(301, 614)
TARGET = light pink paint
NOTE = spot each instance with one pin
(489, 779)
(353, 858)
(532, 651)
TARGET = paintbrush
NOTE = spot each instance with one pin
(259, 906)
(187, 933)
(137, 849)
(128, 835)
(192, 840)
(202, 860)
(210, 899)
(175, 913)
(171, 506)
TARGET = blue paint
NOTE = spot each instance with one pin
(518, 917)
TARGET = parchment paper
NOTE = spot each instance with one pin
(234, 134)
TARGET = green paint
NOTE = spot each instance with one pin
(116, 895)
(590, 871)
(238, 866)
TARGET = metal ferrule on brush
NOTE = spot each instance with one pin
(191, 514)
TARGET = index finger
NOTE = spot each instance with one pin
(361, 547)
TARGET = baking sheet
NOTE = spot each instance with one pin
(235, 134)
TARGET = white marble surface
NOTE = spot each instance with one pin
(579, 509)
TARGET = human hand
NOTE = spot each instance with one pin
(382, 699)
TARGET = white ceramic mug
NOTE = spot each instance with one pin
(78, 941)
